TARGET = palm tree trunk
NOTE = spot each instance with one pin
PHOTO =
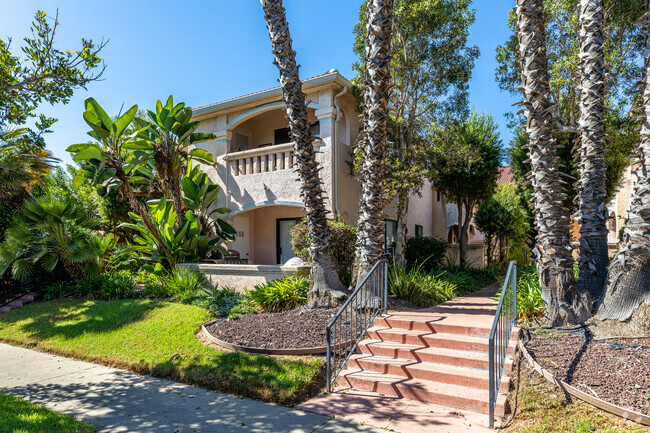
(326, 288)
(593, 196)
(628, 284)
(371, 233)
(563, 300)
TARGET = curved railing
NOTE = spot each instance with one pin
(350, 323)
(504, 319)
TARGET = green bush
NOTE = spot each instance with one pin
(418, 286)
(108, 286)
(226, 302)
(186, 285)
(279, 295)
(529, 294)
(343, 238)
(430, 252)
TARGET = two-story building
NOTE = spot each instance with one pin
(255, 167)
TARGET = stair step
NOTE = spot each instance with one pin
(431, 323)
(15, 304)
(436, 355)
(469, 377)
(459, 397)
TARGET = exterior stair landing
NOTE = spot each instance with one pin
(437, 355)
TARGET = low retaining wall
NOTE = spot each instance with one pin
(242, 277)
(475, 254)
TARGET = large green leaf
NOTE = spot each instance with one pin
(124, 121)
(202, 155)
(88, 154)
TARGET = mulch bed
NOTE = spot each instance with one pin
(290, 329)
(617, 371)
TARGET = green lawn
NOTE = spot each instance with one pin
(156, 338)
(21, 416)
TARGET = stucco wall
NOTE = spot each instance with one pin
(263, 231)
(243, 277)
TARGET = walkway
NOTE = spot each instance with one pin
(424, 369)
(119, 401)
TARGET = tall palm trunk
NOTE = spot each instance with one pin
(593, 196)
(563, 301)
(326, 289)
(371, 232)
(629, 273)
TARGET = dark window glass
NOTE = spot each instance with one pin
(419, 230)
(283, 135)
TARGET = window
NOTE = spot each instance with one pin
(390, 226)
(437, 195)
(419, 230)
(283, 135)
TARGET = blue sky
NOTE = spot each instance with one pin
(206, 51)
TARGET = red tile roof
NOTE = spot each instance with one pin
(506, 175)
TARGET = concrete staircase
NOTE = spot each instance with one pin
(17, 303)
(437, 355)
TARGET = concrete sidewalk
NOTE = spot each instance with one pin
(119, 401)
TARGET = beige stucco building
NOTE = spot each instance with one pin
(254, 167)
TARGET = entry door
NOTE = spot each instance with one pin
(285, 251)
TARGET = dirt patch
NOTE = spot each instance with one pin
(292, 329)
(617, 371)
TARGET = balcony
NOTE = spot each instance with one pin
(262, 159)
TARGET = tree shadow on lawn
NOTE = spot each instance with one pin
(71, 318)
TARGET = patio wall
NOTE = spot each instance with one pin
(242, 277)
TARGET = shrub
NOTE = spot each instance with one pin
(418, 286)
(279, 295)
(226, 302)
(426, 251)
(186, 285)
(529, 294)
(343, 238)
(110, 285)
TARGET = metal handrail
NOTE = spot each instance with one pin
(504, 319)
(350, 323)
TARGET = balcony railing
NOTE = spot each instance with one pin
(262, 160)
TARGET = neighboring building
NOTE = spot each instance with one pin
(254, 168)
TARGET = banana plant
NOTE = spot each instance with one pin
(170, 138)
(199, 197)
(116, 159)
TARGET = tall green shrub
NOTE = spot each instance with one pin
(428, 252)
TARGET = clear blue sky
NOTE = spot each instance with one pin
(206, 51)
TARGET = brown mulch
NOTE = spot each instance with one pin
(617, 371)
(290, 329)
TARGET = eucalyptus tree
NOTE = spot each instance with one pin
(564, 302)
(593, 168)
(326, 288)
(628, 286)
(430, 69)
(371, 233)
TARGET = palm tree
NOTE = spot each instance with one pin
(21, 166)
(326, 289)
(593, 195)
(564, 301)
(370, 234)
(49, 232)
(628, 284)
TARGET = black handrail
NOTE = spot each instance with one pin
(504, 319)
(350, 323)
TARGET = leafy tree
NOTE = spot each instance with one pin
(464, 164)
(503, 219)
(326, 288)
(429, 70)
(46, 73)
(564, 301)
